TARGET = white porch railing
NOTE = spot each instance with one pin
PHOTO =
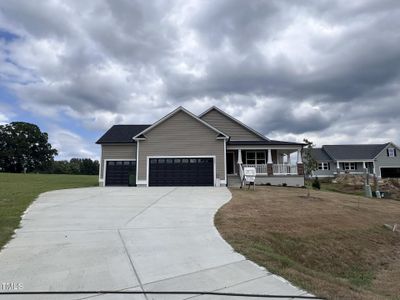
(284, 169)
(260, 169)
(277, 169)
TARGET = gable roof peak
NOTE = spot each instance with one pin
(175, 111)
(233, 119)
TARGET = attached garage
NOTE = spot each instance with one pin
(120, 173)
(390, 172)
(181, 171)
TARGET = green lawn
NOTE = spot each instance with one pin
(17, 191)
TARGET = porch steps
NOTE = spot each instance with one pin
(233, 180)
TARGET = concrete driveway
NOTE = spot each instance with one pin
(153, 239)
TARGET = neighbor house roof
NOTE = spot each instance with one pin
(121, 134)
(357, 151)
(320, 155)
(266, 142)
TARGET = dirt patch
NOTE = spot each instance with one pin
(334, 245)
(354, 184)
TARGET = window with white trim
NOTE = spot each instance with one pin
(349, 166)
(256, 158)
(391, 152)
(323, 166)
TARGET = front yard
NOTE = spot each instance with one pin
(17, 191)
(331, 244)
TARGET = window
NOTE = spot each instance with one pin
(349, 166)
(391, 152)
(255, 158)
(323, 166)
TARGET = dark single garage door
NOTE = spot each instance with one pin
(181, 172)
(121, 173)
(390, 172)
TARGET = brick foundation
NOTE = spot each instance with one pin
(300, 169)
(269, 170)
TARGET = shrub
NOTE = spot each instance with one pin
(268, 183)
(316, 184)
(284, 184)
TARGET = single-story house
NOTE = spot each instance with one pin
(183, 149)
(382, 160)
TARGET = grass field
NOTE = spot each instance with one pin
(331, 244)
(17, 191)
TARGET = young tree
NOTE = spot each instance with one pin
(310, 164)
(24, 147)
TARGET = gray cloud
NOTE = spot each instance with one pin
(290, 69)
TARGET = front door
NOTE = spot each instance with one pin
(230, 163)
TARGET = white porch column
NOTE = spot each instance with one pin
(269, 156)
(288, 158)
(337, 165)
(239, 161)
(299, 159)
(364, 167)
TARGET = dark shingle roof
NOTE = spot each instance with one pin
(266, 142)
(320, 155)
(360, 151)
(121, 134)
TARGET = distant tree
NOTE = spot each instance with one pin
(76, 166)
(23, 146)
(309, 163)
(59, 167)
(89, 167)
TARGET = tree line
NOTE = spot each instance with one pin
(25, 148)
(76, 166)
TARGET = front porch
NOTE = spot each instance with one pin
(267, 162)
(275, 166)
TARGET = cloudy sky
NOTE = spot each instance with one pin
(325, 70)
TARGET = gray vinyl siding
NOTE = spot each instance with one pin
(326, 173)
(230, 127)
(383, 160)
(359, 167)
(116, 151)
(181, 135)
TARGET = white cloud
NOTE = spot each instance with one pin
(3, 119)
(71, 145)
(325, 70)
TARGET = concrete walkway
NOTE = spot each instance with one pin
(152, 239)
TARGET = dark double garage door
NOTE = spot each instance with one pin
(181, 171)
(163, 172)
